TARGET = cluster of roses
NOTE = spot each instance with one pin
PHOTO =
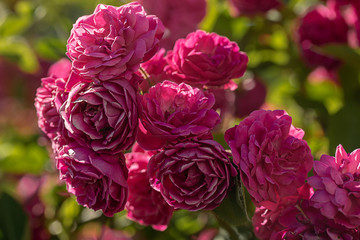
(118, 89)
(91, 107)
(274, 161)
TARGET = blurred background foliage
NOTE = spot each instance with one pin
(34, 204)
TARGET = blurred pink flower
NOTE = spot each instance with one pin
(338, 189)
(113, 41)
(180, 17)
(270, 154)
(250, 96)
(144, 205)
(192, 175)
(252, 7)
(102, 116)
(28, 189)
(50, 96)
(205, 59)
(172, 113)
(320, 26)
(99, 181)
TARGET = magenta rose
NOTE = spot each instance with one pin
(297, 221)
(113, 41)
(282, 219)
(154, 70)
(97, 180)
(323, 25)
(172, 113)
(205, 59)
(192, 175)
(338, 189)
(270, 155)
(50, 96)
(180, 17)
(144, 205)
(250, 96)
(102, 116)
(252, 7)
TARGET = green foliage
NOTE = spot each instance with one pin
(13, 220)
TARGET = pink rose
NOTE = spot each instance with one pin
(144, 205)
(113, 41)
(50, 96)
(192, 175)
(323, 25)
(172, 113)
(250, 96)
(338, 189)
(252, 7)
(102, 116)
(270, 154)
(180, 17)
(298, 221)
(284, 220)
(154, 69)
(205, 59)
(97, 180)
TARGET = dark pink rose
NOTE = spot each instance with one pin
(97, 180)
(29, 190)
(144, 205)
(50, 96)
(60, 69)
(270, 154)
(252, 7)
(323, 25)
(298, 221)
(192, 175)
(172, 113)
(224, 103)
(180, 17)
(154, 69)
(113, 41)
(250, 96)
(102, 116)
(205, 59)
(276, 223)
(338, 189)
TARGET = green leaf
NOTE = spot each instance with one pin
(18, 47)
(13, 220)
(344, 128)
(343, 52)
(231, 211)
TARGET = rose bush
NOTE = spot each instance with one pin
(192, 175)
(102, 116)
(270, 155)
(97, 180)
(113, 41)
(205, 59)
